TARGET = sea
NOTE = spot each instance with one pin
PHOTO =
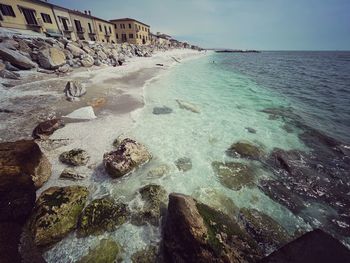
(293, 106)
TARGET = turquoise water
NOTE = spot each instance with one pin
(228, 103)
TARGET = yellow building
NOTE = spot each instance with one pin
(83, 25)
(131, 31)
(64, 22)
(28, 14)
(105, 31)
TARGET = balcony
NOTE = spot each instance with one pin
(68, 29)
(92, 33)
(80, 30)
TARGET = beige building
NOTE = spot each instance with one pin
(28, 14)
(131, 31)
(83, 25)
(105, 31)
(64, 22)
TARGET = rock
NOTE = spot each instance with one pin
(46, 71)
(74, 90)
(75, 157)
(56, 213)
(71, 174)
(245, 150)
(184, 164)
(147, 255)
(24, 158)
(10, 44)
(128, 156)
(188, 106)
(315, 246)
(76, 51)
(250, 130)
(194, 232)
(64, 69)
(51, 58)
(15, 58)
(162, 110)
(23, 46)
(234, 175)
(84, 113)
(10, 67)
(9, 74)
(154, 197)
(265, 230)
(102, 215)
(88, 50)
(47, 128)
(159, 171)
(107, 251)
(87, 61)
(101, 55)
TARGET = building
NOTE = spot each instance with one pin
(32, 15)
(64, 22)
(131, 31)
(105, 31)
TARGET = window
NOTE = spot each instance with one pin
(100, 27)
(123, 26)
(78, 26)
(137, 36)
(105, 30)
(131, 35)
(90, 28)
(116, 35)
(130, 26)
(110, 30)
(29, 15)
(115, 26)
(7, 10)
(46, 18)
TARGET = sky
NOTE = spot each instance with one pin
(239, 24)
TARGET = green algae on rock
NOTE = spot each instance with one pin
(107, 251)
(234, 175)
(102, 215)
(75, 157)
(245, 149)
(147, 255)
(56, 213)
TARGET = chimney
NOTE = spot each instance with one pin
(85, 12)
(90, 12)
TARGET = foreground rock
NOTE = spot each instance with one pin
(234, 175)
(102, 215)
(71, 174)
(56, 213)
(51, 58)
(15, 58)
(264, 229)
(73, 90)
(154, 197)
(47, 128)
(128, 156)
(313, 247)
(187, 106)
(245, 150)
(147, 255)
(162, 110)
(194, 232)
(75, 157)
(23, 159)
(107, 251)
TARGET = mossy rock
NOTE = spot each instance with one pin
(184, 164)
(234, 175)
(147, 255)
(266, 231)
(102, 215)
(106, 252)
(245, 149)
(75, 157)
(154, 197)
(56, 213)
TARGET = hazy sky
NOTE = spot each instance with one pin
(246, 24)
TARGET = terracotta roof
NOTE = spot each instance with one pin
(127, 19)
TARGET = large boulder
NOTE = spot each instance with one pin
(75, 157)
(245, 150)
(87, 61)
(56, 213)
(154, 198)
(51, 58)
(128, 156)
(101, 55)
(234, 175)
(107, 251)
(102, 215)
(76, 51)
(147, 255)
(194, 232)
(6, 74)
(74, 89)
(47, 128)
(16, 58)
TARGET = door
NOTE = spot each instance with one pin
(29, 15)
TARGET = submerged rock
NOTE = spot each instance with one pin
(51, 58)
(84, 113)
(75, 157)
(162, 110)
(184, 164)
(194, 232)
(102, 215)
(250, 130)
(128, 156)
(147, 255)
(71, 174)
(154, 197)
(16, 58)
(265, 230)
(159, 171)
(188, 106)
(245, 150)
(74, 90)
(56, 213)
(107, 251)
(234, 175)
(47, 128)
